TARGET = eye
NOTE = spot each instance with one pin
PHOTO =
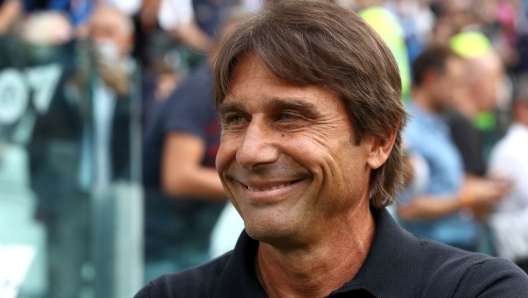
(234, 119)
(287, 116)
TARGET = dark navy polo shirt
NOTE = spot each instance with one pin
(399, 264)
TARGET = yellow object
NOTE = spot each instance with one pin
(470, 44)
(390, 30)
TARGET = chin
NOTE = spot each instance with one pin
(271, 233)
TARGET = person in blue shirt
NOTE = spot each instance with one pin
(443, 209)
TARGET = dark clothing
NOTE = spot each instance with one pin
(185, 223)
(399, 264)
(188, 109)
(468, 140)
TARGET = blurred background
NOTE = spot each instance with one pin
(108, 133)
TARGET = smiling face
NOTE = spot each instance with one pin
(287, 159)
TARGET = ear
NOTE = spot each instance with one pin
(379, 150)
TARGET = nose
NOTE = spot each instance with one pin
(258, 146)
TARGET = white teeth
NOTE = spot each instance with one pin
(268, 189)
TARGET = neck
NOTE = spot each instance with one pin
(422, 99)
(319, 268)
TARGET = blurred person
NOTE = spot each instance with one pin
(311, 154)
(106, 131)
(439, 212)
(46, 45)
(184, 195)
(509, 220)
(482, 93)
(110, 109)
(176, 18)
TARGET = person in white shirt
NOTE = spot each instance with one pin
(509, 160)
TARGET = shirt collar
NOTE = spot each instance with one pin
(392, 262)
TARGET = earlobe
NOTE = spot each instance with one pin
(380, 150)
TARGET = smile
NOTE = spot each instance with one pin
(270, 188)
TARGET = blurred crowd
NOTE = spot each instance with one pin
(464, 69)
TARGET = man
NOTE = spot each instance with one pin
(442, 210)
(508, 159)
(484, 72)
(481, 93)
(309, 100)
(111, 91)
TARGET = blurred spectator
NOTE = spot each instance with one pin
(184, 195)
(160, 25)
(437, 212)
(483, 90)
(508, 160)
(483, 82)
(53, 148)
(106, 138)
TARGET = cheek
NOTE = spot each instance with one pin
(226, 153)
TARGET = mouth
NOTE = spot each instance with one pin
(255, 189)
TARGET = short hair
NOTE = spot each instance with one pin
(433, 58)
(321, 43)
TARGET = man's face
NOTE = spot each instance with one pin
(487, 83)
(287, 159)
(108, 27)
(448, 84)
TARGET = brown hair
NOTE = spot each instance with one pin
(321, 43)
(433, 58)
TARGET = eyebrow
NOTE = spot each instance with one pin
(277, 104)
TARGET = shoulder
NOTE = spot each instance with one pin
(458, 273)
(196, 282)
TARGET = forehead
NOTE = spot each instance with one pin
(251, 80)
(107, 19)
